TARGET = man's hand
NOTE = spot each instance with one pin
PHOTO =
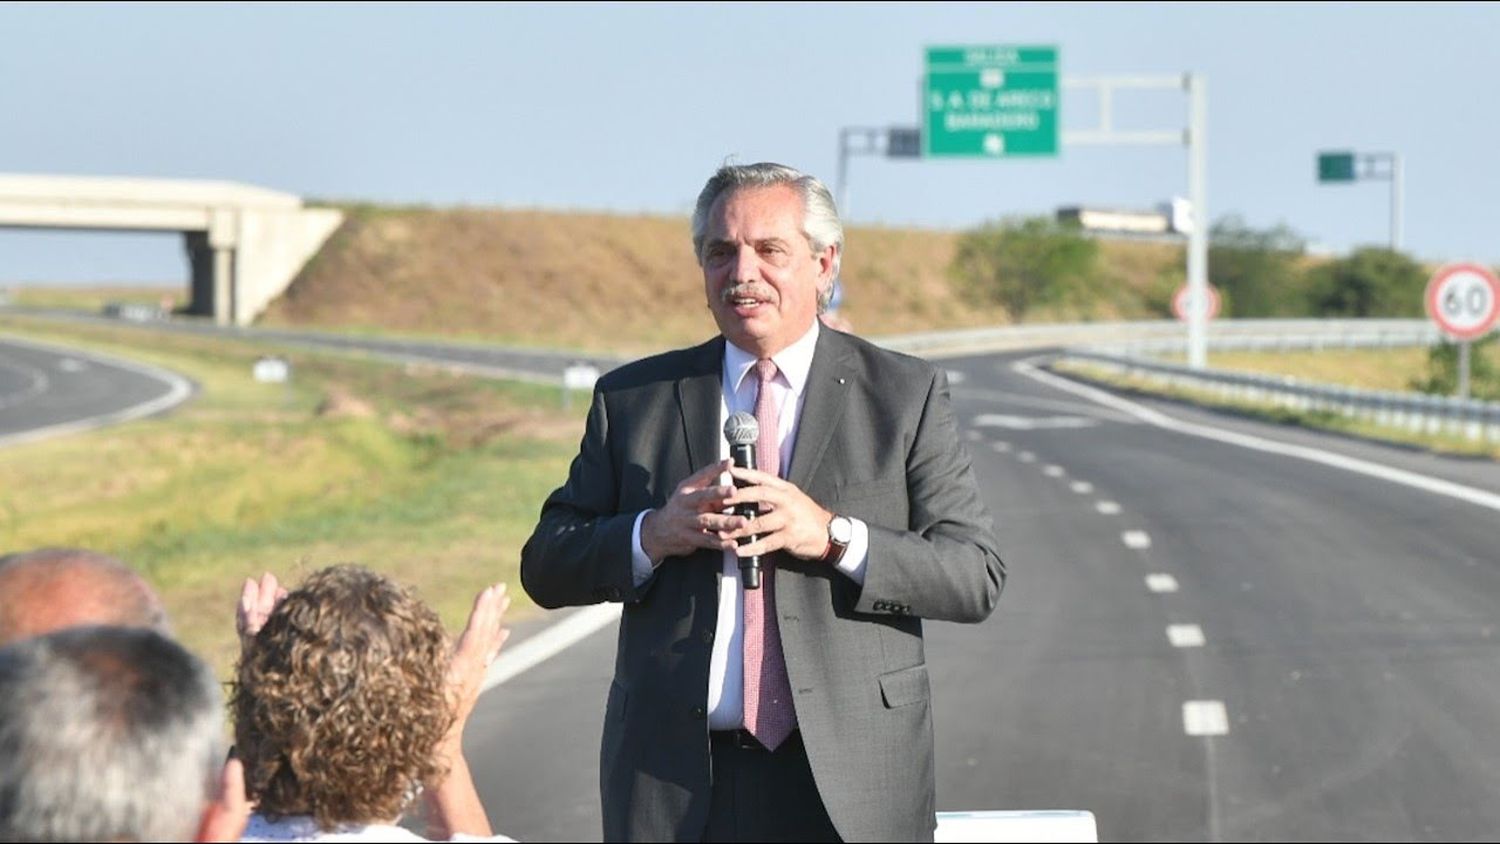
(692, 518)
(789, 521)
(257, 600)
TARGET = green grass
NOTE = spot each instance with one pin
(93, 298)
(433, 478)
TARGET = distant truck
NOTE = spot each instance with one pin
(1169, 219)
(135, 311)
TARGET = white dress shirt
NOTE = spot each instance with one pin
(726, 673)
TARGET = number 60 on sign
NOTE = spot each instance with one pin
(1464, 300)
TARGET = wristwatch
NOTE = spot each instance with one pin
(840, 534)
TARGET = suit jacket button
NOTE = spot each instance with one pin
(708, 636)
(699, 712)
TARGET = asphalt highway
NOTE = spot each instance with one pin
(1213, 628)
(1199, 639)
(48, 390)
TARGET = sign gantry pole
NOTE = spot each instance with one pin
(1395, 202)
(1346, 167)
(1001, 101)
(1195, 138)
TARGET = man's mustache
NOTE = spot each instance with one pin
(746, 291)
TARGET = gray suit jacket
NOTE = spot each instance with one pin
(877, 442)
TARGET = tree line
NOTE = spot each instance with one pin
(1041, 268)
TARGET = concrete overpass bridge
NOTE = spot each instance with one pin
(244, 244)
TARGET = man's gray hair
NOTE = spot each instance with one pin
(106, 734)
(820, 215)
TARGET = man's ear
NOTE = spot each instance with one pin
(225, 818)
(825, 261)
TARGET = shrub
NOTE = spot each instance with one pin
(1028, 263)
(1256, 270)
(1372, 282)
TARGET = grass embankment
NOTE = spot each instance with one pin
(1369, 369)
(433, 478)
(629, 284)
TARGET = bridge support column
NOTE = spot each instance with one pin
(223, 239)
(201, 269)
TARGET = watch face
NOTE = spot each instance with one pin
(841, 530)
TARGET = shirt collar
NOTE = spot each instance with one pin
(795, 361)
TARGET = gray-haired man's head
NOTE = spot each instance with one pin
(106, 734)
(820, 215)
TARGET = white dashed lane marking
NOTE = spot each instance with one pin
(1137, 539)
(1205, 718)
(1026, 457)
(1032, 423)
(1108, 508)
(1083, 487)
(1161, 583)
(1185, 635)
(1000, 446)
(1054, 471)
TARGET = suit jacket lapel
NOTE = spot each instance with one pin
(699, 397)
(827, 395)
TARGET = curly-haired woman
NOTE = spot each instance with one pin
(348, 703)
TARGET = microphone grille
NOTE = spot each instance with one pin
(741, 429)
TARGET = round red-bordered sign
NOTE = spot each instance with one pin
(1464, 300)
(1183, 298)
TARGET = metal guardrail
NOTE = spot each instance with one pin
(1126, 347)
(1155, 336)
(1417, 412)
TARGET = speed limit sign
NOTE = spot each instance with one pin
(1464, 300)
(1185, 304)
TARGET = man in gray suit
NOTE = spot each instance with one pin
(798, 710)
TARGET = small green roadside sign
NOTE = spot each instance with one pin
(991, 102)
(1335, 167)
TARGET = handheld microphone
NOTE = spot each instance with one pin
(743, 431)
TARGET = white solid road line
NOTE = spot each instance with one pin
(1185, 635)
(550, 642)
(178, 391)
(1426, 483)
(1205, 718)
(1137, 539)
(1161, 583)
(1108, 508)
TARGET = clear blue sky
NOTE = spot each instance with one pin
(629, 107)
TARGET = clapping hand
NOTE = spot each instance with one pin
(257, 600)
(477, 648)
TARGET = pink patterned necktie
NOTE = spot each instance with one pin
(769, 714)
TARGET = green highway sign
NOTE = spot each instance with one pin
(1335, 166)
(990, 102)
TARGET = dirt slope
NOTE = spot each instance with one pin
(623, 283)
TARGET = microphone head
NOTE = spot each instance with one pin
(741, 429)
